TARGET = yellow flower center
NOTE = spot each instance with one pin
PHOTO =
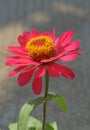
(41, 47)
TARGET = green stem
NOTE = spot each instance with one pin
(45, 104)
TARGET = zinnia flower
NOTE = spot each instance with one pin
(37, 54)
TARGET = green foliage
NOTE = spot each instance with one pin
(48, 127)
(32, 128)
(59, 100)
(26, 111)
(24, 116)
(13, 126)
(54, 125)
(27, 122)
(34, 124)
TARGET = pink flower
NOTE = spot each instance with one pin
(38, 53)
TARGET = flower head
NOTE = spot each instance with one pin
(37, 54)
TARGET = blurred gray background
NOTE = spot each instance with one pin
(17, 16)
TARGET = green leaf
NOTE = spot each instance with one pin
(33, 128)
(48, 127)
(60, 101)
(54, 125)
(30, 106)
(24, 116)
(34, 123)
(26, 111)
(13, 126)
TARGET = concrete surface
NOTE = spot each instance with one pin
(17, 16)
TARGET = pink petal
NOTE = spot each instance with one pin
(25, 76)
(64, 39)
(17, 50)
(69, 57)
(40, 72)
(22, 41)
(26, 34)
(67, 72)
(20, 61)
(15, 71)
(37, 86)
(47, 34)
(35, 33)
(54, 70)
(72, 46)
(52, 58)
